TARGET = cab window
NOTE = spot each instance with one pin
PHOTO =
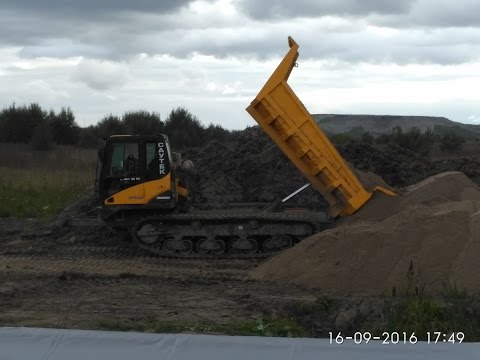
(124, 160)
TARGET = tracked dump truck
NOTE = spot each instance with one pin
(139, 186)
(281, 114)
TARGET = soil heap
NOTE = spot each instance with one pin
(253, 169)
(425, 237)
(402, 167)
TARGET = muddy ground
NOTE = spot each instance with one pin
(80, 282)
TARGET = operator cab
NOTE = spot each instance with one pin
(135, 170)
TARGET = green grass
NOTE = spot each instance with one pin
(418, 314)
(412, 310)
(278, 326)
(40, 184)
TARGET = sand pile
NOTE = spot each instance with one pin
(434, 224)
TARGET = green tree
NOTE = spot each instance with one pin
(142, 122)
(42, 139)
(184, 129)
(65, 129)
(88, 137)
(383, 139)
(356, 131)
(110, 125)
(17, 123)
(341, 138)
(216, 132)
(367, 138)
(451, 142)
(413, 139)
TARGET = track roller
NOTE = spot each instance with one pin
(243, 246)
(277, 243)
(210, 246)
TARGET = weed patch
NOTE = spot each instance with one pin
(279, 327)
(413, 311)
(40, 184)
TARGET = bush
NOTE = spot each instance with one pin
(110, 125)
(413, 139)
(64, 128)
(340, 139)
(412, 311)
(184, 129)
(451, 142)
(88, 137)
(42, 137)
(367, 138)
(17, 123)
(142, 122)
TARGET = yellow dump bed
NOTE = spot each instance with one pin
(284, 118)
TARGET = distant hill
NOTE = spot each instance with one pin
(383, 124)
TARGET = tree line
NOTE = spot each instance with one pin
(421, 142)
(30, 124)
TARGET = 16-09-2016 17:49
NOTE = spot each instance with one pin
(393, 338)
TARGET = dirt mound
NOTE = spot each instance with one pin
(252, 169)
(469, 166)
(397, 166)
(434, 226)
(211, 181)
(401, 167)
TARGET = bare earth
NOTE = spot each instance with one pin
(428, 236)
(77, 282)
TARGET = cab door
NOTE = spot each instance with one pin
(123, 170)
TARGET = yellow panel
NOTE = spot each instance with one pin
(156, 187)
(141, 193)
(285, 119)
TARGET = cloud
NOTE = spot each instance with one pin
(313, 8)
(89, 22)
(434, 14)
(400, 14)
(105, 9)
(44, 91)
(62, 48)
(474, 119)
(345, 30)
(101, 75)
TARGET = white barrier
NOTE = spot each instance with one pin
(52, 344)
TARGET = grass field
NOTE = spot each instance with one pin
(40, 184)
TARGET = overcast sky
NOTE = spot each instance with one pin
(399, 57)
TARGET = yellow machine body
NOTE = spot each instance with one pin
(142, 193)
(285, 119)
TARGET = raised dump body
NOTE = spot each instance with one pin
(286, 120)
